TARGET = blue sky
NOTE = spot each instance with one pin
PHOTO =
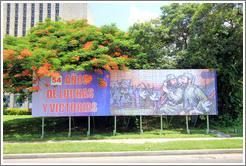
(124, 14)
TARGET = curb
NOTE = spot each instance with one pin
(131, 153)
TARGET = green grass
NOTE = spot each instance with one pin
(26, 127)
(114, 147)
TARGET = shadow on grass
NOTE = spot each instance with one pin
(28, 128)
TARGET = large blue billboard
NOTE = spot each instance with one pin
(132, 92)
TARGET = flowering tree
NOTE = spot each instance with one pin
(58, 46)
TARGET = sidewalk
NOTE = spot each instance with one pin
(131, 153)
(129, 141)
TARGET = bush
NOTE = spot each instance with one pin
(17, 111)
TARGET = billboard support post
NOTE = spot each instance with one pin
(89, 126)
(187, 125)
(94, 126)
(42, 136)
(114, 132)
(161, 126)
(141, 129)
(207, 131)
(69, 125)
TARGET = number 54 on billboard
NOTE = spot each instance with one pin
(56, 81)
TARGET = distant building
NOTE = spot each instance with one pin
(18, 18)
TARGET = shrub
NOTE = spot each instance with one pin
(17, 111)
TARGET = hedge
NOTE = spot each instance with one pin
(17, 111)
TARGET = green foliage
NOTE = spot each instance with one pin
(17, 111)
(152, 37)
(216, 41)
(57, 46)
(198, 36)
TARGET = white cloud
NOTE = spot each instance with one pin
(137, 15)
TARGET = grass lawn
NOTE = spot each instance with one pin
(20, 148)
(26, 127)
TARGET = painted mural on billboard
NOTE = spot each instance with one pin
(163, 92)
(75, 93)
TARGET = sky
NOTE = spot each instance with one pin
(125, 14)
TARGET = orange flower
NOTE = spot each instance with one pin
(101, 46)
(34, 88)
(47, 65)
(17, 89)
(88, 45)
(55, 52)
(20, 57)
(81, 38)
(10, 65)
(124, 56)
(26, 73)
(8, 54)
(102, 83)
(107, 67)
(42, 71)
(94, 62)
(26, 52)
(5, 75)
(123, 67)
(34, 67)
(98, 71)
(55, 74)
(75, 58)
(87, 79)
(117, 53)
(105, 42)
(17, 75)
(107, 76)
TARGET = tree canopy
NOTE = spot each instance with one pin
(197, 36)
(57, 46)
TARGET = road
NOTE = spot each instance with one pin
(202, 158)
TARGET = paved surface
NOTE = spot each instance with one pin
(208, 158)
(125, 153)
(219, 133)
(129, 141)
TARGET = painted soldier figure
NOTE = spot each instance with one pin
(195, 100)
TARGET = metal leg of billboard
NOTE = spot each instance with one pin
(89, 126)
(94, 127)
(69, 125)
(141, 129)
(42, 136)
(207, 131)
(161, 126)
(114, 132)
(187, 125)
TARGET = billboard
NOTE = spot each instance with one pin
(132, 92)
(75, 93)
